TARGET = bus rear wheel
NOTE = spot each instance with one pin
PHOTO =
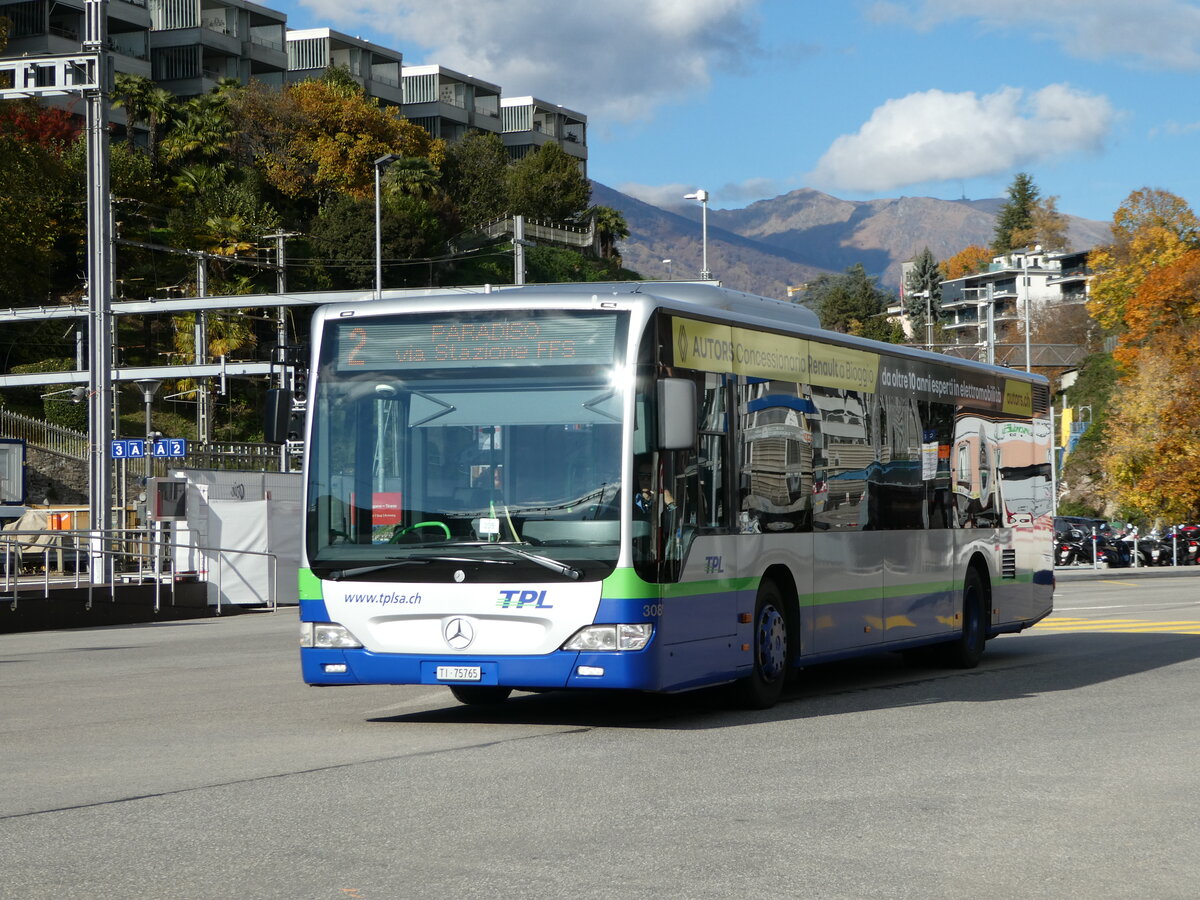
(480, 694)
(770, 645)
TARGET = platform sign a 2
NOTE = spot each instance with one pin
(165, 448)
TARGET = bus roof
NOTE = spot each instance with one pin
(684, 296)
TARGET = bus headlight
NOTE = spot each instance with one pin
(327, 636)
(632, 636)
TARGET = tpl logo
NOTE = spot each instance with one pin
(712, 565)
(518, 599)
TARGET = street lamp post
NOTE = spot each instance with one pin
(667, 263)
(702, 196)
(1025, 279)
(380, 164)
(149, 387)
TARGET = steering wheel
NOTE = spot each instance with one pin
(400, 532)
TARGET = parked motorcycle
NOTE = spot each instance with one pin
(1112, 553)
(1071, 547)
(1181, 546)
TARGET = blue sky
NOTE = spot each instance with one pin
(750, 99)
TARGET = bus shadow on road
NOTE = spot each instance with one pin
(1012, 669)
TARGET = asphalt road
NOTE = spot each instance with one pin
(186, 760)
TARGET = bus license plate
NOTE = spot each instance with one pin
(459, 673)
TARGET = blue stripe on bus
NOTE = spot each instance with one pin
(313, 611)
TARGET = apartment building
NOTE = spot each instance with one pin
(56, 27)
(188, 46)
(311, 51)
(1000, 294)
(196, 43)
(449, 104)
(527, 123)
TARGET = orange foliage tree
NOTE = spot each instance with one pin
(320, 138)
(1147, 290)
(967, 261)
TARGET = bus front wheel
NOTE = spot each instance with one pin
(770, 646)
(480, 694)
(967, 650)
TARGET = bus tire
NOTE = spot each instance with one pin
(480, 694)
(771, 648)
(966, 651)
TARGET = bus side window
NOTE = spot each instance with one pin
(775, 469)
(710, 465)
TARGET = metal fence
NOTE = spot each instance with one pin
(44, 436)
(32, 563)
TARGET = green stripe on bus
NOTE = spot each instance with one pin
(626, 584)
(310, 586)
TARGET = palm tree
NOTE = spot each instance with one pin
(132, 92)
(161, 106)
(610, 227)
(202, 130)
(412, 176)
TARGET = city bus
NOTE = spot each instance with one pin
(653, 487)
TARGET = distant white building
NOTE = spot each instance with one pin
(1034, 276)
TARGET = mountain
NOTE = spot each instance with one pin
(788, 240)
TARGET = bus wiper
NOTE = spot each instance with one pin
(546, 562)
(397, 561)
(341, 574)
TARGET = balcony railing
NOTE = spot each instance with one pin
(270, 44)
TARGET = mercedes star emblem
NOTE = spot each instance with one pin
(459, 633)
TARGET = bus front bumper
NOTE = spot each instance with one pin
(630, 670)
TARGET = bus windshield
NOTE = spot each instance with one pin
(423, 461)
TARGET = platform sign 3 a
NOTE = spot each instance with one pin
(127, 449)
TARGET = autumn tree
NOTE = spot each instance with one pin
(968, 261)
(1047, 228)
(320, 138)
(1151, 228)
(35, 201)
(1016, 215)
(1147, 291)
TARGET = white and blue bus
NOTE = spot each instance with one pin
(654, 487)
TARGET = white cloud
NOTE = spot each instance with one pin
(619, 59)
(1152, 34)
(938, 136)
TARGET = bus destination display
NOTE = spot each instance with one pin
(477, 340)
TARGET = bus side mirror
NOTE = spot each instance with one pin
(676, 414)
(281, 424)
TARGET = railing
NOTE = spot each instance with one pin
(231, 455)
(555, 233)
(44, 436)
(266, 42)
(130, 556)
